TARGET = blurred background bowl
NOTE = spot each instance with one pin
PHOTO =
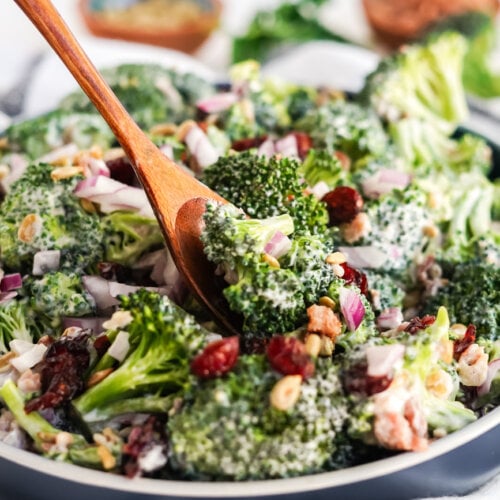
(177, 24)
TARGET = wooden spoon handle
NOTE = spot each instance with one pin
(152, 167)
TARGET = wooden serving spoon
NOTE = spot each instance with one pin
(177, 198)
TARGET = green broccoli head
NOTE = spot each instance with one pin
(226, 428)
(471, 296)
(345, 126)
(264, 187)
(41, 214)
(58, 294)
(270, 300)
(127, 235)
(151, 93)
(320, 165)
(40, 135)
(163, 339)
(232, 240)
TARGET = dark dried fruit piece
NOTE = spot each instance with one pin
(218, 358)
(304, 143)
(460, 345)
(356, 277)
(357, 381)
(343, 204)
(288, 356)
(416, 324)
(249, 143)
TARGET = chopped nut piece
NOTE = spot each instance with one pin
(65, 172)
(164, 129)
(324, 321)
(338, 270)
(107, 459)
(47, 437)
(458, 329)
(88, 206)
(119, 319)
(336, 258)
(5, 365)
(327, 346)
(431, 231)
(272, 261)
(4, 143)
(113, 154)
(286, 392)
(327, 302)
(4, 171)
(30, 227)
(97, 377)
(313, 345)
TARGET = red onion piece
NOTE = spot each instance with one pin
(113, 195)
(6, 296)
(384, 181)
(382, 358)
(167, 150)
(11, 282)
(288, 146)
(217, 103)
(97, 166)
(352, 308)
(278, 245)
(18, 165)
(266, 149)
(29, 358)
(390, 318)
(320, 189)
(120, 346)
(368, 257)
(493, 368)
(200, 147)
(45, 262)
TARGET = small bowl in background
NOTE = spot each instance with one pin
(177, 24)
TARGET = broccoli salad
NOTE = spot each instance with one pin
(359, 253)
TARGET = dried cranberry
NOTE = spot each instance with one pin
(416, 324)
(343, 204)
(62, 372)
(304, 143)
(121, 169)
(101, 344)
(217, 358)
(249, 143)
(253, 344)
(357, 381)
(288, 356)
(460, 345)
(356, 277)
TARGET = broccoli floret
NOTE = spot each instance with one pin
(41, 135)
(307, 259)
(151, 93)
(415, 84)
(226, 428)
(384, 290)
(323, 166)
(58, 294)
(18, 321)
(471, 297)
(345, 126)
(44, 436)
(163, 338)
(264, 187)
(270, 300)
(127, 235)
(52, 218)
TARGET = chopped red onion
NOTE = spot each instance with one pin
(288, 146)
(105, 292)
(97, 166)
(66, 151)
(20, 346)
(6, 296)
(266, 149)
(45, 262)
(320, 189)
(384, 181)
(352, 308)
(120, 346)
(368, 257)
(18, 165)
(11, 282)
(493, 368)
(217, 103)
(381, 359)
(29, 358)
(390, 318)
(200, 147)
(278, 245)
(113, 195)
(168, 151)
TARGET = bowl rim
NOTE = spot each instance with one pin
(225, 489)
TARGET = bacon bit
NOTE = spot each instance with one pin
(460, 345)
(323, 320)
(416, 324)
(245, 144)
